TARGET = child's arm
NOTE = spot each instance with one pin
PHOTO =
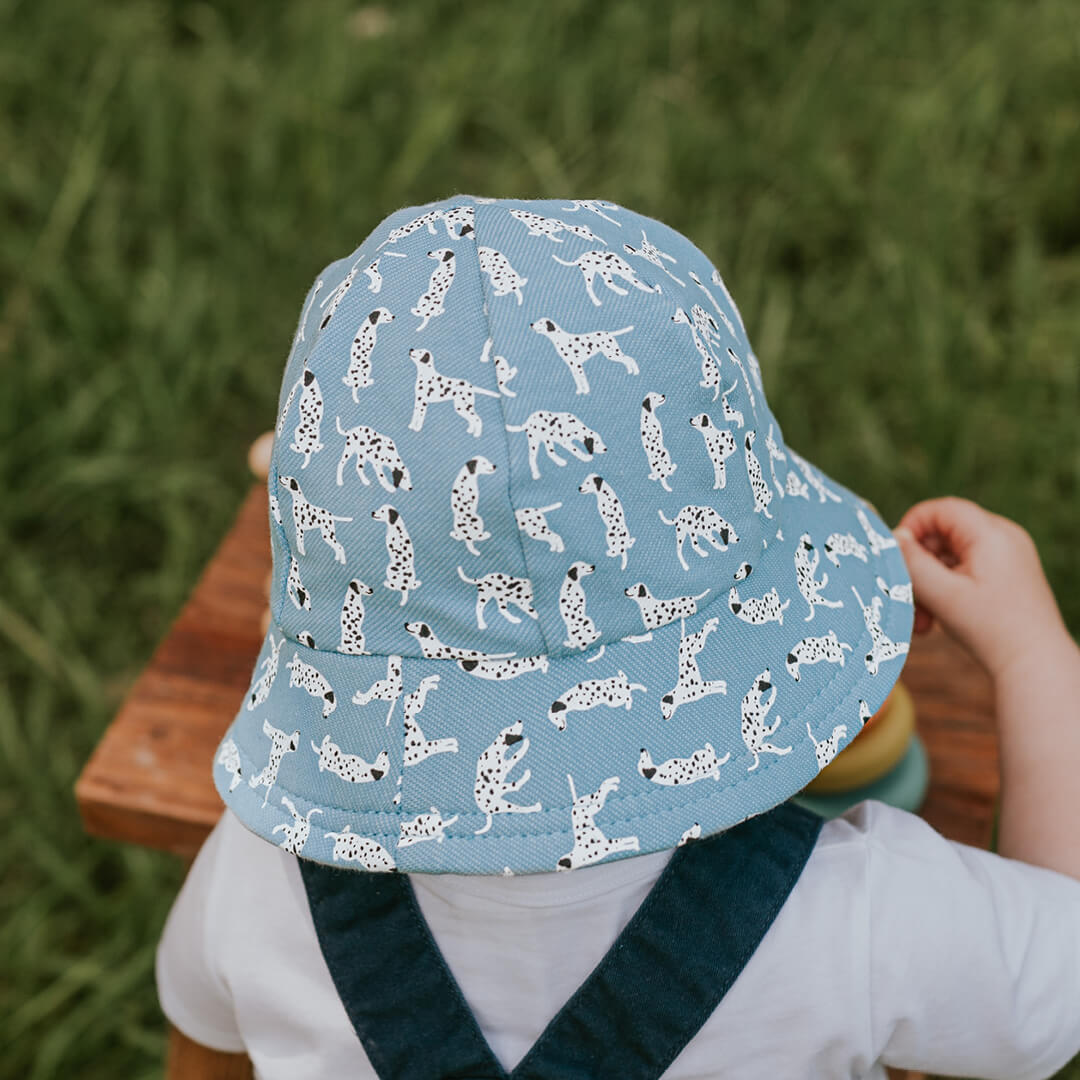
(979, 575)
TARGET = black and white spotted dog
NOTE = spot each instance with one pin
(814, 650)
(719, 444)
(460, 221)
(575, 349)
(617, 535)
(417, 747)
(464, 501)
(505, 280)
(400, 570)
(762, 492)
(503, 371)
(229, 758)
(590, 844)
(806, 564)
(504, 589)
(427, 220)
(728, 324)
(335, 298)
(496, 670)
(581, 631)
(309, 516)
(297, 833)
(388, 689)
(838, 544)
(492, 769)
(878, 543)
(814, 480)
(424, 827)
(710, 369)
(596, 206)
(758, 610)
(550, 429)
(827, 749)
(652, 440)
(677, 771)
(305, 638)
(351, 847)
(431, 387)
(306, 438)
(795, 486)
(615, 691)
(261, 690)
(883, 648)
(775, 454)
(532, 521)
(370, 446)
(654, 255)
(313, 681)
(358, 374)
(350, 767)
(431, 303)
(656, 612)
(696, 523)
(901, 593)
(690, 686)
(755, 707)
(280, 745)
(375, 278)
(731, 415)
(608, 266)
(434, 649)
(352, 618)
(538, 225)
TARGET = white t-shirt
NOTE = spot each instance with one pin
(896, 947)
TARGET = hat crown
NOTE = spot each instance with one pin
(506, 425)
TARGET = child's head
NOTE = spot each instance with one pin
(549, 587)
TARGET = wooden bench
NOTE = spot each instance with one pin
(149, 780)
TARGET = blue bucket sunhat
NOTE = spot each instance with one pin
(549, 586)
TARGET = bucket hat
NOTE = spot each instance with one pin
(549, 586)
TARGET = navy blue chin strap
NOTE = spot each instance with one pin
(646, 999)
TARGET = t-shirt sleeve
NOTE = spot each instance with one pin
(974, 958)
(192, 992)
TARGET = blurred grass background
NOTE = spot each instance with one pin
(889, 189)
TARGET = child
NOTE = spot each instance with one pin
(553, 638)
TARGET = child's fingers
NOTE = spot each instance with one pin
(924, 621)
(946, 525)
(934, 584)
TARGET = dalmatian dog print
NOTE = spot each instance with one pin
(550, 429)
(731, 415)
(432, 387)
(826, 749)
(352, 618)
(590, 844)
(379, 451)
(306, 677)
(710, 369)
(574, 349)
(812, 478)
(427, 221)
(308, 516)
(806, 564)
(281, 744)
(424, 827)
(675, 771)
(460, 222)
(838, 544)
(652, 440)
(762, 492)
(464, 500)
(400, 571)
(538, 225)
(775, 455)
(496, 670)
(757, 702)
(654, 255)
(596, 206)
(532, 521)
(656, 612)
(388, 689)
(294, 587)
(618, 538)
(693, 833)
(884, 648)
(430, 303)
(351, 847)
(758, 610)
(296, 834)
(335, 298)
(505, 590)
(691, 686)
(350, 767)
(374, 275)
(719, 445)
(607, 266)
(418, 748)
(261, 690)
(503, 371)
(795, 486)
(815, 650)
(306, 438)
(434, 649)
(229, 759)
(615, 692)
(505, 280)
(581, 631)
(900, 593)
(358, 375)
(696, 523)
(878, 543)
(492, 776)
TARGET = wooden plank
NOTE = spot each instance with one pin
(150, 779)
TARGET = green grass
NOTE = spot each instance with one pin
(889, 189)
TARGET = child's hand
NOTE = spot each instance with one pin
(979, 575)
